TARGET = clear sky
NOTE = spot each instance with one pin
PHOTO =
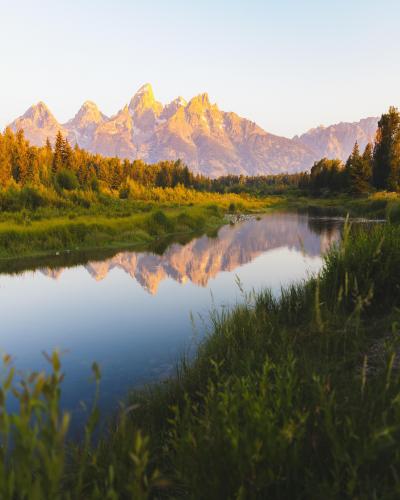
(289, 65)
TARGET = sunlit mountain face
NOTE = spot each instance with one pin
(204, 258)
(209, 140)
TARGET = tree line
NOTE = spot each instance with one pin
(62, 167)
(66, 167)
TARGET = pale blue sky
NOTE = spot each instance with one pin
(288, 65)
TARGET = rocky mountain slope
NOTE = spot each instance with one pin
(38, 124)
(208, 140)
(337, 141)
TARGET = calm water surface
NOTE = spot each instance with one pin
(131, 313)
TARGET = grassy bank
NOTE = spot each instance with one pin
(109, 222)
(289, 397)
(116, 223)
(380, 205)
(68, 234)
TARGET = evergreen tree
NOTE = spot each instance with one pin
(368, 160)
(48, 145)
(5, 163)
(357, 172)
(386, 156)
(33, 167)
(327, 175)
(58, 153)
(20, 158)
(116, 174)
(67, 155)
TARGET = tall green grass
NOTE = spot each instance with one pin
(296, 397)
(379, 205)
(23, 236)
(35, 462)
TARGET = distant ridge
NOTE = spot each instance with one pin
(208, 140)
(337, 141)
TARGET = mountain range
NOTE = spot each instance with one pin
(208, 140)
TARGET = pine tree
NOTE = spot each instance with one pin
(20, 158)
(58, 153)
(32, 172)
(356, 168)
(5, 164)
(386, 156)
(48, 145)
(368, 160)
(67, 155)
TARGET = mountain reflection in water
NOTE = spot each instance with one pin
(136, 329)
(203, 258)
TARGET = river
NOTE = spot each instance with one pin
(133, 312)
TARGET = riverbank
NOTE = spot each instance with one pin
(285, 398)
(60, 235)
(379, 205)
(125, 224)
(51, 232)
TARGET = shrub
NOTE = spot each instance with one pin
(193, 223)
(214, 209)
(10, 199)
(393, 212)
(81, 198)
(66, 179)
(94, 184)
(379, 204)
(124, 192)
(158, 224)
(31, 198)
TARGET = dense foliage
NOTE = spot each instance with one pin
(70, 168)
(66, 168)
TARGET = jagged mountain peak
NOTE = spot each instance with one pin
(41, 106)
(180, 101)
(144, 109)
(171, 108)
(82, 126)
(39, 111)
(88, 113)
(89, 105)
(144, 99)
(38, 123)
(201, 101)
(123, 115)
(145, 89)
(177, 103)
